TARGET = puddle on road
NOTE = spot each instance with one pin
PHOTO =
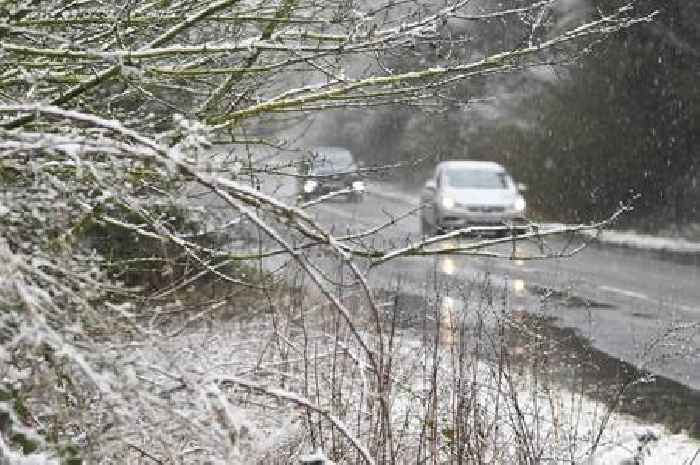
(578, 363)
(536, 343)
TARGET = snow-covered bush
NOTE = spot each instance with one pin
(110, 118)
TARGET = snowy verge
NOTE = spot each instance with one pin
(565, 422)
(646, 241)
(636, 240)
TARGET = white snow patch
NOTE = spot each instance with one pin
(646, 241)
(559, 415)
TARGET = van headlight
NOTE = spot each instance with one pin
(310, 186)
(358, 186)
(448, 202)
(519, 204)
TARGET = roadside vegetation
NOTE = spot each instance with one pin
(610, 122)
(165, 300)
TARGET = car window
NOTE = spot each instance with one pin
(476, 179)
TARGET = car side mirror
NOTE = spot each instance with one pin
(430, 184)
(521, 187)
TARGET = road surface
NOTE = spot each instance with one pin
(622, 300)
(625, 301)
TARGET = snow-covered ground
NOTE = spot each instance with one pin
(638, 240)
(189, 367)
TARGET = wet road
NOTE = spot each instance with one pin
(632, 305)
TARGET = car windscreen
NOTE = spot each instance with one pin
(476, 179)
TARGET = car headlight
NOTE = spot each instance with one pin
(448, 202)
(358, 186)
(310, 186)
(519, 204)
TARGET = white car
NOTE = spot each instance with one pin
(471, 193)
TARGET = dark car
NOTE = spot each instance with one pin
(331, 169)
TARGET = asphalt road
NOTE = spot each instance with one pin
(631, 304)
(624, 301)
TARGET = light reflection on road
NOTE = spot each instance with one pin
(518, 286)
(447, 266)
